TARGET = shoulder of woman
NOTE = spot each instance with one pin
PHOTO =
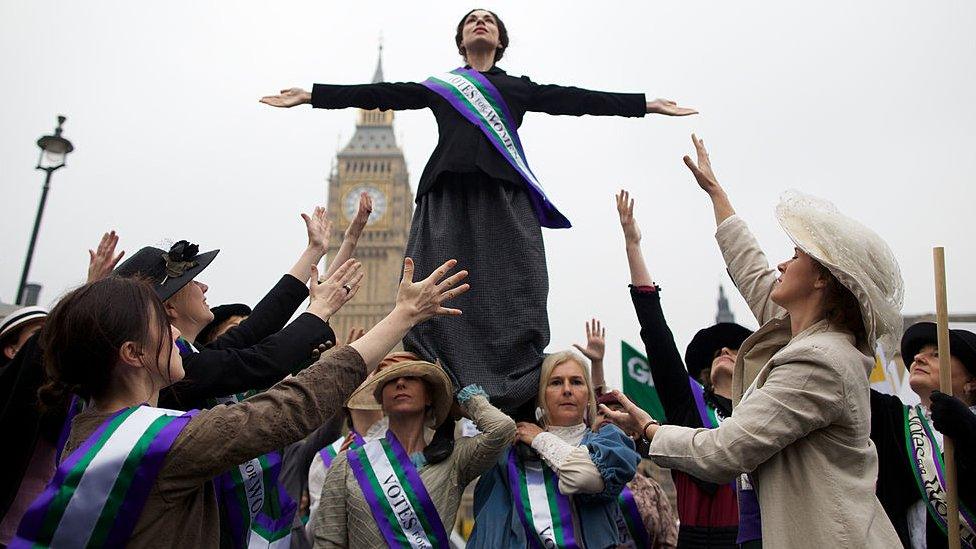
(606, 434)
(832, 350)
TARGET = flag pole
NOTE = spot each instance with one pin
(945, 385)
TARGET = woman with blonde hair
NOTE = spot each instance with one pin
(569, 497)
(802, 416)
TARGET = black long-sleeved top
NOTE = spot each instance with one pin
(462, 147)
(21, 421)
(254, 355)
(897, 488)
(709, 512)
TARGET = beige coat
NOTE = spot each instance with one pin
(800, 425)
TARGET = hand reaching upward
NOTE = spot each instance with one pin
(625, 209)
(596, 341)
(319, 228)
(102, 260)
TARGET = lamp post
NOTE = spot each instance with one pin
(54, 150)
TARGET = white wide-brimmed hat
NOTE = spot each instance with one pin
(441, 391)
(853, 253)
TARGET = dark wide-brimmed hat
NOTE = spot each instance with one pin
(222, 313)
(441, 390)
(168, 271)
(962, 344)
(701, 350)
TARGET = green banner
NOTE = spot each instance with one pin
(638, 382)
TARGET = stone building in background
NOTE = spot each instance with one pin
(371, 162)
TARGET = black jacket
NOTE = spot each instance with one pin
(897, 488)
(461, 147)
(254, 355)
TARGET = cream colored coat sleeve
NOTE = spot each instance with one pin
(749, 267)
(797, 398)
(573, 464)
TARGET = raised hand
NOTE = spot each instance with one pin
(668, 108)
(355, 229)
(596, 343)
(625, 209)
(703, 170)
(327, 297)
(422, 300)
(631, 420)
(102, 260)
(287, 98)
(708, 182)
(319, 228)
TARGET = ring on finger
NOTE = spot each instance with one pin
(347, 288)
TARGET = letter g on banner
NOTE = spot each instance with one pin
(639, 371)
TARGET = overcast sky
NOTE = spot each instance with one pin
(869, 104)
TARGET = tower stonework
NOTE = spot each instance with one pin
(371, 162)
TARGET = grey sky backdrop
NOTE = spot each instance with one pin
(869, 104)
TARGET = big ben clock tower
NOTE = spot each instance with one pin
(371, 162)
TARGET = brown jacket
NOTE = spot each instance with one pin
(182, 507)
(800, 425)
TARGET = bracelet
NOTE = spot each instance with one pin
(644, 430)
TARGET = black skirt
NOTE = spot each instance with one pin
(489, 226)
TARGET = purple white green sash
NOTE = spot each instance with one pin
(925, 456)
(401, 506)
(710, 419)
(259, 510)
(330, 452)
(480, 102)
(547, 515)
(635, 524)
(99, 491)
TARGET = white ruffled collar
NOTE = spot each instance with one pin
(572, 434)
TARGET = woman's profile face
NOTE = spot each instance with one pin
(798, 279)
(480, 31)
(567, 394)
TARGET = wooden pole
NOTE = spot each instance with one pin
(945, 385)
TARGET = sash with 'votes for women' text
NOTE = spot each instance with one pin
(258, 510)
(925, 456)
(480, 102)
(547, 515)
(98, 493)
(397, 497)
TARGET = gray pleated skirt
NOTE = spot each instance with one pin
(489, 226)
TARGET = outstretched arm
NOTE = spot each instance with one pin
(667, 368)
(381, 95)
(746, 262)
(351, 237)
(553, 99)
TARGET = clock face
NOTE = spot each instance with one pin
(350, 204)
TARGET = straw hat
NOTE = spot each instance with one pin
(362, 398)
(862, 262)
(437, 381)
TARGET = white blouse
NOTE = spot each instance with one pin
(560, 448)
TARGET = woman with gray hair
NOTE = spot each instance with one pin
(802, 416)
(569, 497)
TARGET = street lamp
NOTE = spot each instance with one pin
(54, 151)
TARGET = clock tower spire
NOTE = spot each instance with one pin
(372, 162)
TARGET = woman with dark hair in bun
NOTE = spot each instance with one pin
(479, 201)
(136, 475)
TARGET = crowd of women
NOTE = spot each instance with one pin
(139, 416)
